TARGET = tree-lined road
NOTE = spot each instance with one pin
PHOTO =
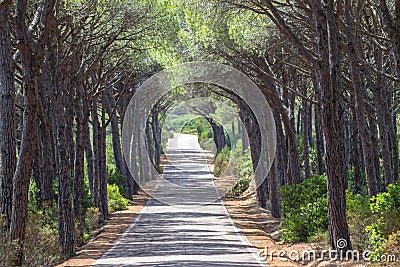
(195, 231)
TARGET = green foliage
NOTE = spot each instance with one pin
(359, 215)
(92, 217)
(386, 209)
(208, 144)
(116, 201)
(198, 126)
(114, 177)
(244, 165)
(305, 209)
(41, 242)
(241, 185)
(221, 161)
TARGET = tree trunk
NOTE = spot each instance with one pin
(66, 221)
(306, 142)
(382, 108)
(109, 104)
(79, 172)
(253, 131)
(319, 142)
(37, 171)
(66, 217)
(395, 144)
(7, 120)
(332, 122)
(23, 169)
(375, 152)
(103, 203)
(89, 160)
(96, 153)
(218, 134)
(156, 130)
(49, 158)
(356, 155)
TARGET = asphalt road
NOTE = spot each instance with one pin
(185, 223)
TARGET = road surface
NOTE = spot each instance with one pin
(185, 223)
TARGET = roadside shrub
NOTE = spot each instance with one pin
(386, 209)
(40, 245)
(241, 186)
(304, 209)
(41, 242)
(359, 215)
(244, 166)
(92, 216)
(114, 177)
(221, 161)
(244, 173)
(116, 201)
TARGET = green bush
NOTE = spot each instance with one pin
(241, 185)
(386, 209)
(41, 243)
(92, 217)
(116, 201)
(221, 161)
(116, 178)
(244, 166)
(359, 215)
(243, 171)
(304, 209)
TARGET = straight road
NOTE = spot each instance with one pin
(185, 223)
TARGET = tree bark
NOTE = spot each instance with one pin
(103, 202)
(356, 155)
(79, 189)
(218, 134)
(156, 130)
(306, 142)
(96, 153)
(89, 160)
(7, 119)
(332, 122)
(319, 142)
